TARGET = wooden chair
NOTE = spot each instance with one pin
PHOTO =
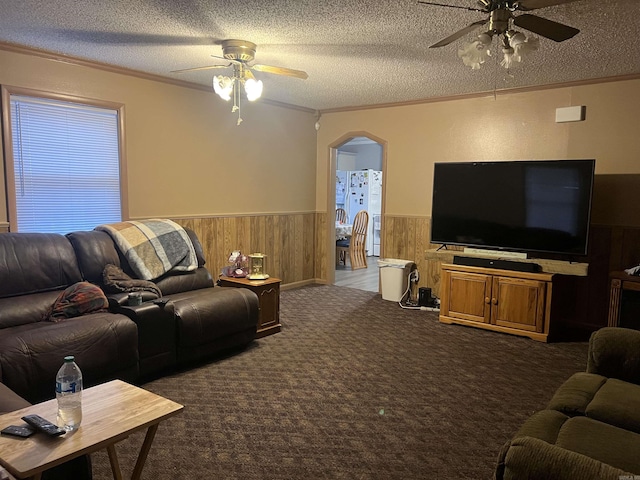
(356, 244)
(341, 217)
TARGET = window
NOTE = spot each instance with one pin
(64, 165)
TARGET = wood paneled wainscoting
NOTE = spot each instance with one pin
(407, 238)
(288, 240)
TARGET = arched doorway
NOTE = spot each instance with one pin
(356, 153)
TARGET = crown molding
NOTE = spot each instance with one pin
(72, 60)
(489, 93)
(83, 62)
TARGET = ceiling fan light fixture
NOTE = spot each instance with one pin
(253, 89)
(476, 53)
(515, 38)
(223, 86)
(529, 45)
(509, 58)
(484, 41)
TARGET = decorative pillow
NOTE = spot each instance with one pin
(116, 281)
(78, 299)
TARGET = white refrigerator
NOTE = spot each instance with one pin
(341, 188)
(364, 192)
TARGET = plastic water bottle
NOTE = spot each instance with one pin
(69, 395)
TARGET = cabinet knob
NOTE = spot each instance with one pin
(487, 300)
(494, 301)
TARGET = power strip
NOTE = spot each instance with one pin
(430, 309)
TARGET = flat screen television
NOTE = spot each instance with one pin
(524, 206)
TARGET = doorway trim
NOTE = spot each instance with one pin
(330, 233)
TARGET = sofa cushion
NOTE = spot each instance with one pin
(574, 395)
(178, 282)
(36, 262)
(78, 299)
(197, 246)
(25, 309)
(10, 401)
(614, 352)
(533, 459)
(609, 444)
(203, 316)
(95, 250)
(617, 403)
(105, 346)
(606, 443)
(545, 425)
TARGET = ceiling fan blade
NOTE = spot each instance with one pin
(281, 71)
(235, 62)
(458, 34)
(526, 5)
(199, 68)
(555, 31)
(452, 6)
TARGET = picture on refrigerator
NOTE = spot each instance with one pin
(362, 190)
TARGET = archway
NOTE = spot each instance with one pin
(334, 149)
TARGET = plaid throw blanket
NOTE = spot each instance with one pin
(153, 247)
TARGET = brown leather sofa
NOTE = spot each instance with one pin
(192, 321)
(34, 269)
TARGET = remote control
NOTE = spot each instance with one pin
(23, 431)
(44, 425)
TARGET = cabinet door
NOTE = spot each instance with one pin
(269, 306)
(467, 296)
(518, 303)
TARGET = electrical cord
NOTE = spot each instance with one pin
(414, 307)
(406, 307)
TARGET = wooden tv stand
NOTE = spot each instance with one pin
(518, 303)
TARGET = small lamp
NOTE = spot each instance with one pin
(256, 267)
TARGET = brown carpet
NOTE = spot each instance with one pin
(353, 387)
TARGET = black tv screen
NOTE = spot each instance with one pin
(526, 206)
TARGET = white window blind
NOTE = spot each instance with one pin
(66, 165)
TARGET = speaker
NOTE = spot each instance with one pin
(501, 264)
(424, 297)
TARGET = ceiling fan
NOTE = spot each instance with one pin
(239, 54)
(514, 44)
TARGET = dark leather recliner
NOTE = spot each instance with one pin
(193, 321)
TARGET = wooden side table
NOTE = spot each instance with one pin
(620, 281)
(268, 292)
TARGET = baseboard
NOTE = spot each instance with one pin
(302, 283)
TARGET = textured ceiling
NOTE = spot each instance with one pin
(355, 52)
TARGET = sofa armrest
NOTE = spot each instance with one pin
(534, 459)
(156, 334)
(10, 401)
(121, 299)
(614, 352)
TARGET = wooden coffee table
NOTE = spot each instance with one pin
(110, 413)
